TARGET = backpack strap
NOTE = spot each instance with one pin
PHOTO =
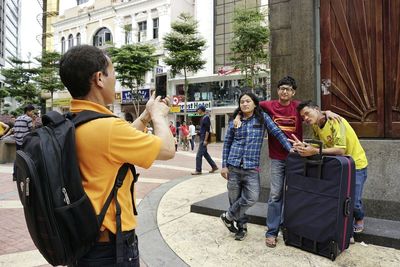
(86, 116)
(52, 118)
(123, 170)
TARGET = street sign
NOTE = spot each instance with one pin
(143, 93)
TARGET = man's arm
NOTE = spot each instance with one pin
(207, 126)
(158, 110)
(276, 131)
(226, 149)
(141, 122)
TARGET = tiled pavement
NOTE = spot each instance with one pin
(16, 246)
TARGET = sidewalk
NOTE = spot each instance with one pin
(170, 235)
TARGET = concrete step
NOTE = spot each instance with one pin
(379, 232)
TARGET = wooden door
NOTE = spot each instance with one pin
(391, 35)
(352, 63)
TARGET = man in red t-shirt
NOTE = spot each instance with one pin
(284, 113)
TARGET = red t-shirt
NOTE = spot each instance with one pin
(288, 120)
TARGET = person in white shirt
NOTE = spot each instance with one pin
(192, 134)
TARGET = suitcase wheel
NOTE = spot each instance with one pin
(334, 250)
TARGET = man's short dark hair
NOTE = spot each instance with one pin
(77, 67)
(287, 80)
(201, 107)
(306, 103)
(28, 107)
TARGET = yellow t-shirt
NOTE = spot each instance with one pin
(341, 135)
(103, 145)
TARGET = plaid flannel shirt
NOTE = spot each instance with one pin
(242, 145)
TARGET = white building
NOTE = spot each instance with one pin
(118, 22)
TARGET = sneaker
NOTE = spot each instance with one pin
(196, 173)
(358, 227)
(241, 234)
(231, 225)
(213, 170)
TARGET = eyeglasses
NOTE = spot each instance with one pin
(287, 89)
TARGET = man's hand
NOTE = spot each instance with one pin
(225, 173)
(205, 142)
(158, 107)
(332, 115)
(237, 122)
(302, 148)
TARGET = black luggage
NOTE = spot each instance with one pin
(318, 203)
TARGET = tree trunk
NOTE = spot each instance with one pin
(185, 89)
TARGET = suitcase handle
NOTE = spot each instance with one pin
(347, 206)
(314, 160)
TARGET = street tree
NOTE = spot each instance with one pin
(19, 83)
(185, 48)
(3, 93)
(47, 76)
(250, 44)
(131, 63)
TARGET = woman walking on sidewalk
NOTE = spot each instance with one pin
(241, 159)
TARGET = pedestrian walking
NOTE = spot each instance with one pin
(205, 135)
(192, 134)
(104, 145)
(241, 160)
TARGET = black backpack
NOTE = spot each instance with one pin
(60, 217)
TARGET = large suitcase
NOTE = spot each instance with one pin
(318, 203)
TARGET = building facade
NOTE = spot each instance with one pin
(105, 23)
(9, 31)
(218, 85)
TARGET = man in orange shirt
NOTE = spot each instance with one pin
(103, 145)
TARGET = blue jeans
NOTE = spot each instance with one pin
(104, 253)
(192, 142)
(243, 191)
(275, 201)
(361, 177)
(202, 151)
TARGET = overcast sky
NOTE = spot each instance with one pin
(30, 29)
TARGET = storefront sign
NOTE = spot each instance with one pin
(127, 96)
(192, 106)
(175, 109)
(118, 97)
(61, 102)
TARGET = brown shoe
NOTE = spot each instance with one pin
(270, 241)
(213, 170)
(196, 173)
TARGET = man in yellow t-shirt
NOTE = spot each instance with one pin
(338, 138)
(103, 145)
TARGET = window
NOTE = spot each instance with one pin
(142, 28)
(70, 41)
(128, 33)
(155, 28)
(78, 38)
(62, 45)
(102, 37)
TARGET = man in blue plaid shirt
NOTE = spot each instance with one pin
(241, 160)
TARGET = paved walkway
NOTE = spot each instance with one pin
(170, 235)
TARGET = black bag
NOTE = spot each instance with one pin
(319, 201)
(60, 217)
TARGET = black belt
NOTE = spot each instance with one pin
(108, 236)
